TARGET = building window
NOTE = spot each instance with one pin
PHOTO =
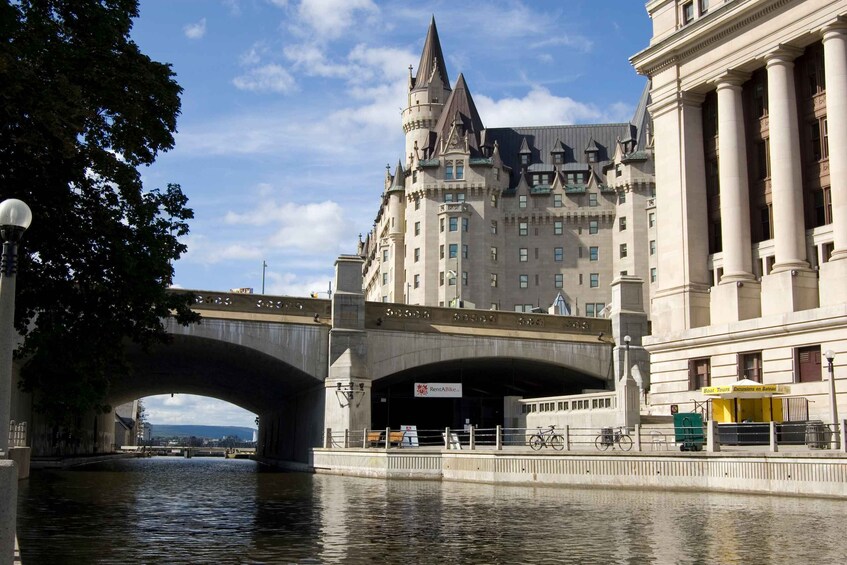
(494, 254)
(384, 278)
(593, 253)
(460, 197)
(441, 225)
(524, 159)
(558, 227)
(454, 250)
(522, 201)
(417, 281)
(750, 366)
(523, 254)
(699, 373)
(622, 198)
(593, 227)
(460, 170)
(441, 278)
(807, 364)
(704, 6)
(594, 280)
(385, 255)
(623, 250)
(465, 224)
(465, 251)
(493, 200)
(558, 254)
(454, 224)
(819, 139)
(441, 252)
(652, 274)
(493, 227)
(557, 201)
(524, 281)
(651, 219)
(417, 228)
(652, 247)
(414, 180)
(448, 170)
(622, 223)
(592, 199)
(523, 228)
(688, 12)
(417, 254)
(448, 197)
(451, 278)
(763, 159)
(559, 280)
(464, 278)
(493, 279)
(823, 207)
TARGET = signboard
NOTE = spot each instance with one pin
(438, 390)
(243, 290)
(410, 437)
(774, 389)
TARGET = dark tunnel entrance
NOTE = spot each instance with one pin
(485, 385)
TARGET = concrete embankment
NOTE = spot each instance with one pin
(821, 474)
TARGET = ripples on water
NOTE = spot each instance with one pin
(171, 510)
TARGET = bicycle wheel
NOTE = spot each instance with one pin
(536, 442)
(600, 443)
(557, 442)
(625, 442)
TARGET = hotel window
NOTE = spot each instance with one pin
(464, 278)
(522, 201)
(441, 278)
(417, 281)
(823, 207)
(414, 180)
(815, 69)
(652, 247)
(592, 199)
(417, 254)
(465, 224)
(623, 250)
(622, 198)
(559, 280)
(384, 278)
(652, 274)
(699, 373)
(441, 252)
(558, 227)
(524, 159)
(807, 364)
(703, 5)
(460, 197)
(557, 201)
(523, 255)
(494, 254)
(593, 253)
(651, 219)
(417, 228)
(750, 366)
(493, 200)
(385, 255)
(819, 139)
(465, 251)
(557, 158)
(448, 197)
(594, 280)
(524, 281)
(763, 160)
(536, 179)
(448, 170)
(460, 170)
(688, 12)
(593, 227)
(441, 225)
(493, 227)
(622, 223)
(523, 228)
(454, 224)
(453, 250)
(618, 170)
(493, 279)
(558, 254)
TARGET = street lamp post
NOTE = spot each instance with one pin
(626, 340)
(833, 404)
(15, 217)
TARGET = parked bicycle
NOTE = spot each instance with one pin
(609, 437)
(547, 438)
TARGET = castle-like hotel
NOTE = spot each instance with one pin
(726, 194)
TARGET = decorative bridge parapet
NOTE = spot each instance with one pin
(260, 304)
(401, 317)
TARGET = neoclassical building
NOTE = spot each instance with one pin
(749, 112)
(509, 218)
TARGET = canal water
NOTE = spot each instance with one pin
(205, 510)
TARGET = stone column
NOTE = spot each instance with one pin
(348, 386)
(792, 285)
(834, 273)
(632, 362)
(737, 297)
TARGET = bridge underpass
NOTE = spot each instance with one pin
(486, 385)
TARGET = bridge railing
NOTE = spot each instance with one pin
(318, 309)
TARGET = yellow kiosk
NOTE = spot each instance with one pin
(746, 400)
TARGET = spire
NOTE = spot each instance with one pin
(399, 179)
(432, 59)
(460, 110)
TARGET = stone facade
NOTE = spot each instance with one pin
(749, 109)
(508, 218)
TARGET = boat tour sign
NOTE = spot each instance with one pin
(438, 390)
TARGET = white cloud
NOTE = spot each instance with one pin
(331, 18)
(269, 78)
(195, 31)
(163, 409)
(538, 108)
(313, 227)
(578, 42)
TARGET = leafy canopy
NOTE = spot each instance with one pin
(81, 109)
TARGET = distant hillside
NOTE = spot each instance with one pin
(210, 432)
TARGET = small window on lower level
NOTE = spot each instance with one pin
(807, 364)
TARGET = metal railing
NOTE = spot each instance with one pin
(756, 436)
(17, 434)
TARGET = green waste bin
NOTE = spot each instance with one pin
(688, 431)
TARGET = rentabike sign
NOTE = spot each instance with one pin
(438, 390)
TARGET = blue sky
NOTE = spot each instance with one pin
(291, 111)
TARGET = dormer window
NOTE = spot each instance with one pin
(591, 157)
(557, 158)
(448, 170)
(460, 170)
(524, 159)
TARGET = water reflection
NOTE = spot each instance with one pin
(169, 510)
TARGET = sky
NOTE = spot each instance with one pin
(291, 112)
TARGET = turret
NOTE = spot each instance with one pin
(428, 90)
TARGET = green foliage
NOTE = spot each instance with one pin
(81, 109)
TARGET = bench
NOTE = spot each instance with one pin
(394, 438)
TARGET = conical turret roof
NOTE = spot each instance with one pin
(460, 108)
(432, 58)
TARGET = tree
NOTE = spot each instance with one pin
(81, 109)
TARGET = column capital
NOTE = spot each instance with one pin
(674, 102)
(835, 28)
(729, 78)
(783, 54)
